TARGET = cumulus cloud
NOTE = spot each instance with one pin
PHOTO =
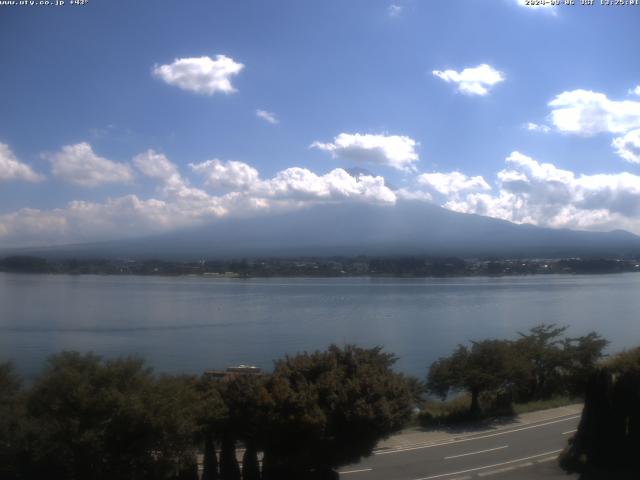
(542, 194)
(585, 112)
(394, 10)
(635, 91)
(12, 169)
(300, 184)
(180, 204)
(536, 127)
(472, 81)
(78, 164)
(158, 167)
(453, 183)
(80, 221)
(230, 174)
(268, 117)
(155, 165)
(294, 183)
(202, 75)
(395, 151)
(628, 146)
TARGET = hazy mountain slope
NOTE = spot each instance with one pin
(406, 228)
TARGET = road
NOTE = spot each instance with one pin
(511, 453)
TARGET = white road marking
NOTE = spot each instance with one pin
(489, 466)
(451, 442)
(356, 471)
(475, 453)
(550, 459)
(570, 431)
(495, 472)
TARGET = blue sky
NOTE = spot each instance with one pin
(125, 118)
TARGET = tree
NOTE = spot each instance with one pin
(246, 399)
(544, 357)
(581, 360)
(486, 366)
(607, 441)
(624, 362)
(114, 419)
(211, 417)
(12, 422)
(331, 408)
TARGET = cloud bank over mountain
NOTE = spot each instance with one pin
(525, 191)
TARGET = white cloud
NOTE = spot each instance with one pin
(155, 165)
(408, 194)
(202, 75)
(585, 112)
(158, 167)
(12, 169)
(231, 174)
(394, 10)
(628, 146)
(635, 91)
(268, 117)
(453, 183)
(294, 183)
(536, 127)
(526, 191)
(395, 151)
(472, 81)
(542, 194)
(78, 164)
(300, 184)
(181, 205)
(80, 221)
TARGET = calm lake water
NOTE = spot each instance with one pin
(191, 324)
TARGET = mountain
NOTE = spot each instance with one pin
(407, 228)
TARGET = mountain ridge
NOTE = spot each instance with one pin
(406, 228)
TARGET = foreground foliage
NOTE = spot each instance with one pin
(90, 418)
(607, 443)
(539, 365)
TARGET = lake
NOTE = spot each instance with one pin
(189, 324)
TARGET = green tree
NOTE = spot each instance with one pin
(331, 408)
(607, 441)
(12, 422)
(114, 419)
(582, 355)
(541, 349)
(623, 362)
(487, 366)
(246, 398)
(212, 417)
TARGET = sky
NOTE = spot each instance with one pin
(122, 119)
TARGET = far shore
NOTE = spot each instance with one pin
(323, 267)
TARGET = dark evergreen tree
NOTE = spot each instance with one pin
(210, 459)
(229, 468)
(250, 465)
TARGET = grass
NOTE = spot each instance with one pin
(536, 405)
(441, 414)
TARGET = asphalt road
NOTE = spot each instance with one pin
(513, 453)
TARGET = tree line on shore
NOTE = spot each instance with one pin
(402, 266)
(85, 417)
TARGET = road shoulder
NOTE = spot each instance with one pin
(416, 437)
